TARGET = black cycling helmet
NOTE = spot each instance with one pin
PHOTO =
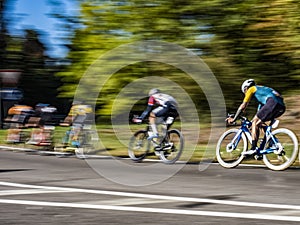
(246, 84)
(154, 91)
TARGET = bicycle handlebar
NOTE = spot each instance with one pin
(242, 118)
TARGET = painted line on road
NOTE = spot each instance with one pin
(57, 153)
(29, 192)
(161, 197)
(154, 210)
(17, 149)
(127, 202)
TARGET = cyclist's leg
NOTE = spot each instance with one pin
(256, 124)
(74, 137)
(263, 115)
(78, 123)
(278, 111)
(172, 112)
(269, 111)
(152, 119)
(162, 111)
(158, 112)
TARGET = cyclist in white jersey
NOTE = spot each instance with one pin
(159, 105)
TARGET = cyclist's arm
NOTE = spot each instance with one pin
(241, 109)
(151, 102)
(248, 96)
(146, 112)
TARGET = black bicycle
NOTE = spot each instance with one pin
(168, 146)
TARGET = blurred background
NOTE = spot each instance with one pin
(47, 45)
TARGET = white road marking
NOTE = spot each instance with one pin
(127, 201)
(154, 210)
(57, 153)
(284, 212)
(28, 192)
(161, 197)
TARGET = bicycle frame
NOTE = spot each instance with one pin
(163, 136)
(268, 134)
(244, 129)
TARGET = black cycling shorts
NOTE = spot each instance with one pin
(270, 110)
(168, 110)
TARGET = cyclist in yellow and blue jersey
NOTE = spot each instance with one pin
(271, 106)
(79, 115)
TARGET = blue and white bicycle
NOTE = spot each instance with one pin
(278, 148)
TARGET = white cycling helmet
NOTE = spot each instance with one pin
(154, 91)
(246, 84)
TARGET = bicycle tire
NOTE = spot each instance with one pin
(139, 146)
(289, 142)
(173, 145)
(230, 158)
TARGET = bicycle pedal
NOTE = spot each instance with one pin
(282, 153)
(167, 147)
(157, 148)
(258, 157)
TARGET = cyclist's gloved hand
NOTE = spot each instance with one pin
(230, 121)
(137, 120)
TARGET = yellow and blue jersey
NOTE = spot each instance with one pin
(80, 110)
(261, 94)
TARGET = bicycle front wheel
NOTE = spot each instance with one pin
(88, 141)
(286, 150)
(139, 146)
(229, 151)
(172, 147)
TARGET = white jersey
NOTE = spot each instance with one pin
(161, 99)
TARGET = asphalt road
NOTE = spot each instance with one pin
(37, 189)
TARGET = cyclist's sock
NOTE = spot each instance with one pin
(254, 144)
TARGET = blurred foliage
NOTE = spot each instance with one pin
(38, 81)
(237, 39)
(28, 54)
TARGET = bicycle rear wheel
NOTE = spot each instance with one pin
(287, 141)
(172, 147)
(229, 156)
(139, 146)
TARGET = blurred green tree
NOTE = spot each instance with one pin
(109, 24)
(259, 38)
(27, 54)
(38, 80)
(3, 36)
(237, 39)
